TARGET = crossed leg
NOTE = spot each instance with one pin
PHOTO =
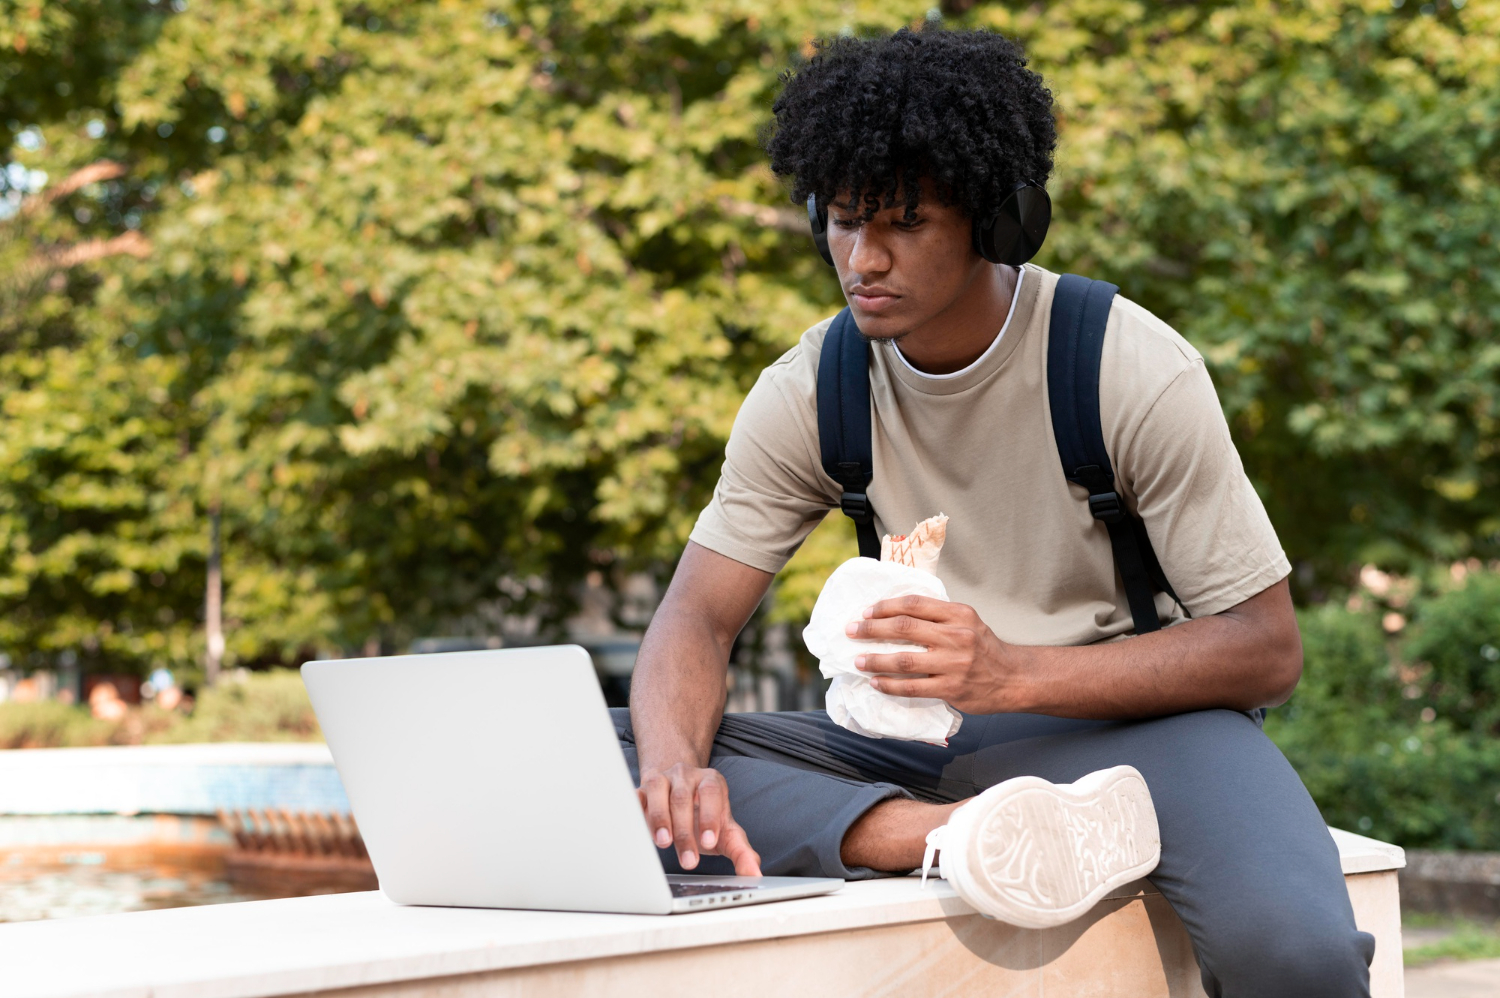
(1246, 862)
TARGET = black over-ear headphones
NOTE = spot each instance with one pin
(1011, 235)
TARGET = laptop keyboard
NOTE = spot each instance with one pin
(691, 890)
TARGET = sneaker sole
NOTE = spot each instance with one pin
(1041, 854)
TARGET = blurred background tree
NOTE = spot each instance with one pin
(447, 305)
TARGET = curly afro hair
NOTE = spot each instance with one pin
(956, 108)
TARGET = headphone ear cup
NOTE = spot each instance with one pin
(1015, 233)
(817, 220)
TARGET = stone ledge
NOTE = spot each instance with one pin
(1452, 883)
(302, 945)
(1358, 854)
(170, 779)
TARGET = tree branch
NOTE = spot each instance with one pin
(130, 243)
(104, 169)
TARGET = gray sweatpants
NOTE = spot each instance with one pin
(1246, 860)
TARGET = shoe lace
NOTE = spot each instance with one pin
(934, 844)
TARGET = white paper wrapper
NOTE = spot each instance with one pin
(852, 702)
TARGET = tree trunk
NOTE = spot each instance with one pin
(214, 600)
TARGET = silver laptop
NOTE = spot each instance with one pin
(494, 779)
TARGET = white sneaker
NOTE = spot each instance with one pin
(1036, 854)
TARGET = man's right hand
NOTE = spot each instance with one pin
(689, 806)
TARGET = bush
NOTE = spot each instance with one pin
(249, 707)
(1396, 739)
(1456, 648)
(252, 707)
(50, 724)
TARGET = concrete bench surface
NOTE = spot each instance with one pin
(881, 937)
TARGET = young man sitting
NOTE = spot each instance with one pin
(905, 141)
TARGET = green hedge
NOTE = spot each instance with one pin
(51, 724)
(255, 707)
(1396, 738)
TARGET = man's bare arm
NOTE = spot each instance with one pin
(677, 699)
(1247, 656)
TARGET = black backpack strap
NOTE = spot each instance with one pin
(1080, 311)
(844, 425)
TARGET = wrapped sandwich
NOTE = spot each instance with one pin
(907, 566)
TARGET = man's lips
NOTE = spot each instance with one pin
(874, 299)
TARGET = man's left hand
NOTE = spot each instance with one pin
(965, 664)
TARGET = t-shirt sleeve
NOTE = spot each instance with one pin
(1206, 522)
(772, 491)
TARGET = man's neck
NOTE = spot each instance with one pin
(961, 333)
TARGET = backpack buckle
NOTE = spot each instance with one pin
(1107, 506)
(856, 506)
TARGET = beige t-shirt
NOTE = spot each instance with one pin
(1022, 547)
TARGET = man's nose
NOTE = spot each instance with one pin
(869, 254)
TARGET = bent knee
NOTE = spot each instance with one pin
(1292, 959)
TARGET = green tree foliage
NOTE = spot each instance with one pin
(1306, 192)
(448, 304)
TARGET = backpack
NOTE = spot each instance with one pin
(1080, 310)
